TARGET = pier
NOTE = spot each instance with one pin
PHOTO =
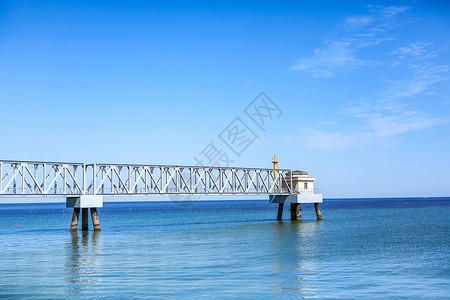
(85, 185)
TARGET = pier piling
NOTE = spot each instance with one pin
(280, 211)
(85, 219)
(75, 217)
(95, 220)
(84, 203)
(296, 212)
(318, 212)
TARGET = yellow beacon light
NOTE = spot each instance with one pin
(275, 166)
(275, 162)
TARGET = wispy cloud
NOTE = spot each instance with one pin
(357, 22)
(377, 120)
(337, 57)
(416, 50)
(422, 78)
(387, 113)
(356, 32)
(422, 72)
(376, 127)
(388, 11)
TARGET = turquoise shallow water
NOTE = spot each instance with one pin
(376, 248)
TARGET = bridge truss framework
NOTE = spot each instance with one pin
(60, 179)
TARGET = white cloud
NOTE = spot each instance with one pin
(391, 123)
(356, 22)
(327, 140)
(356, 32)
(327, 123)
(387, 117)
(423, 72)
(418, 84)
(388, 113)
(389, 11)
(337, 57)
(376, 127)
(416, 50)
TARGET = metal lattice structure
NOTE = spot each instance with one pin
(34, 178)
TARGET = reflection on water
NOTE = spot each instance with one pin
(83, 261)
(295, 251)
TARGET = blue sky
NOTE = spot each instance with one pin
(361, 86)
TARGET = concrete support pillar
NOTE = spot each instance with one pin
(295, 201)
(95, 220)
(75, 218)
(296, 212)
(84, 202)
(318, 213)
(85, 219)
(280, 211)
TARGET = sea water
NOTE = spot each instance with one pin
(363, 248)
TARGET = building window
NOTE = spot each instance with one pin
(305, 186)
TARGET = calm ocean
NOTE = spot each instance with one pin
(373, 248)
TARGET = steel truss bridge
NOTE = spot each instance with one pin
(62, 179)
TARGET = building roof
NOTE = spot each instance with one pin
(298, 172)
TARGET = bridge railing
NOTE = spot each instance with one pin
(34, 178)
(309, 191)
